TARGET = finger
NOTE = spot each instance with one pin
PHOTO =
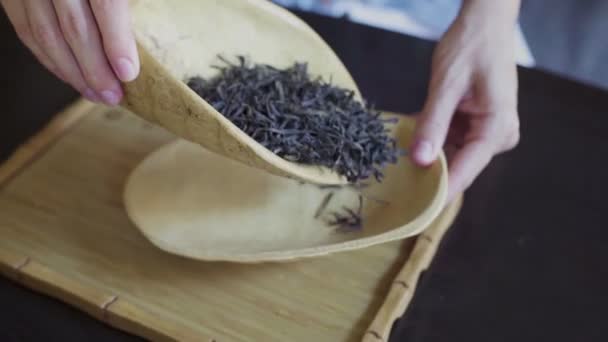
(114, 24)
(15, 11)
(469, 105)
(80, 31)
(513, 136)
(460, 127)
(450, 152)
(45, 27)
(445, 92)
(466, 164)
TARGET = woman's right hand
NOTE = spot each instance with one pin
(88, 44)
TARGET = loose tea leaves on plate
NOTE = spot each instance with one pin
(301, 119)
(351, 220)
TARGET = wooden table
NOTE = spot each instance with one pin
(524, 261)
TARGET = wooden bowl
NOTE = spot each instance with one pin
(201, 205)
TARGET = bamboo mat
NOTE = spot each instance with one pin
(65, 233)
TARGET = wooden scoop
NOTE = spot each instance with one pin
(181, 39)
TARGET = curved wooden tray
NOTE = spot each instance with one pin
(65, 234)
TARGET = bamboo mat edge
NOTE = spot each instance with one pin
(104, 307)
(42, 140)
(36, 276)
(404, 285)
(125, 316)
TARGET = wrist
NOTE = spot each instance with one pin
(490, 13)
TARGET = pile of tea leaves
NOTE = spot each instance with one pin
(301, 119)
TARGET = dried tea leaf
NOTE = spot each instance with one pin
(301, 119)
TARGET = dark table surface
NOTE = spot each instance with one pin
(523, 262)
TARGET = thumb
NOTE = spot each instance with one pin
(434, 121)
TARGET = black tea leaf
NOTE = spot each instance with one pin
(301, 119)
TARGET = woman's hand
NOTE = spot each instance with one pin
(86, 43)
(471, 109)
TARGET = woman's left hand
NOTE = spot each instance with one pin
(471, 109)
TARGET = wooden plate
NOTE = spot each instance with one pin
(201, 205)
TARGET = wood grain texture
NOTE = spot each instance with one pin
(76, 292)
(150, 325)
(65, 233)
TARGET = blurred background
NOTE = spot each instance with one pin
(567, 37)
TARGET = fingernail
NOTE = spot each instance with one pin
(111, 97)
(125, 69)
(424, 152)
(91, 95)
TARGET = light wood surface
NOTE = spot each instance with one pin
(181, 39)
(66, 233)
